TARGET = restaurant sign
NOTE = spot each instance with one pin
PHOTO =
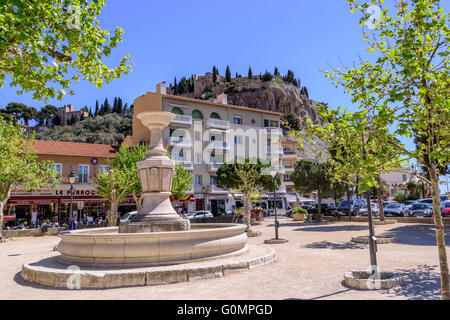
(54, 192)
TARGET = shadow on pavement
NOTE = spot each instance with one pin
(420, 235)
(335, 246)
(420, 283)
(333, 228)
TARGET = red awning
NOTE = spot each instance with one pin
(9, 217)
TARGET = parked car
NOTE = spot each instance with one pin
(444, 198)
(375, 210)
(200, 214)
(426, 201)
(396, 209)
(355, 206)
(385, 203)
(127, 217)
(445, 208)
(409, 203)
(420, 209)
(327, 209)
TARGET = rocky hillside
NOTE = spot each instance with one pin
(274, 95)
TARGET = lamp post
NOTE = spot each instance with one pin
(372, 238)
(72, 178)
(273, 173)
(204, 203)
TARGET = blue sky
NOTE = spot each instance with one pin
(178, 38)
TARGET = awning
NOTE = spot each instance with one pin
(290, 198)
(8, 218)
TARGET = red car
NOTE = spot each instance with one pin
(445, 209)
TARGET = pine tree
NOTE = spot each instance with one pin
(175, 86)
(228, 74)
(250, 73)
(107, 107)
(90, 112)
(215, 74)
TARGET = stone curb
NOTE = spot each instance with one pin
(380, 239)
(90, 279)
(276, 241)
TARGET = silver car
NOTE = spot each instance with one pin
(420, 210)
(127, 217)
(199, 214)
(375, 210)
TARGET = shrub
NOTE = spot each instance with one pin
(300, 210)
(266, 77)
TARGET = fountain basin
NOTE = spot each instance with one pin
(106, 247)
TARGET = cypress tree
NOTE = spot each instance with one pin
(214, 74)
(119, 106)
(250, 73)
(276, 72)
(175, 86)
(114, 109)
(228, 74)
(90, 112)
(96, 108)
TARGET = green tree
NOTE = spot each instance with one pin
(97, 110)
(18, 111)
(290, 122)
(120, 180)
(267, 77)
(404, 90)
(106, 107)
(250, 73)
(228, 74)
(310, 177)
(18, 164)
(181, 183)
(48, 114)
(46, 45)
(247, 177)
(276, 72)
(215, 72)
(290, 78)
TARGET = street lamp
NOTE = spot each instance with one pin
(72, 178)
(273, 173)
(204, 204)
(372, 238)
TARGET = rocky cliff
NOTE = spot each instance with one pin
(274, 95)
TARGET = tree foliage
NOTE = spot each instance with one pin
(18, 164)
(181, 183)
(47, 45)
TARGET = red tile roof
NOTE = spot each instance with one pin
(74, 148)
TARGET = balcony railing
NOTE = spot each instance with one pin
(216, 189)
(289, 154)
(218, 124)
(219, 145)
(181, 120)
(273, 130)
(188, 165)
(180, 142)
(213, 167)
(274, 150)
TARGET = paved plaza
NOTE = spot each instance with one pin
(310, 266)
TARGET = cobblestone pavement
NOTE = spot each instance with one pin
(310, 266)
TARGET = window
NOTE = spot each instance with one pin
(176, 110)
(237, 120)
(197, 115)
(212, 180)
(197, 158)
(197, 136)
(266, 123)
(58, 168)
(104, 168)
(404, 177)
(286, 178)
(214, 115)
(83, 173)
(237, 140)
(198, 180)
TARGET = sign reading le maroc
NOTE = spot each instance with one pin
(54, 192)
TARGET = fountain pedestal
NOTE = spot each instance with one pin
(156, 173)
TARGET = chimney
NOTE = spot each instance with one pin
(222, 98)
(161, 88)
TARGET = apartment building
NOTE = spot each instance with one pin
(205, 134)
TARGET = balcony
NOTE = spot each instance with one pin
(213, 167)
(180, 142)
(289, 169)
(217, 124)
(273, 131)
(274, 150)
(181, 121)
(219, 145)
(216, 189)
(289, 154)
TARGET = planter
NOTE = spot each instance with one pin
(380, 239)
(364, 280)
(299, 216)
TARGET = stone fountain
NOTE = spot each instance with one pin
(157, 247)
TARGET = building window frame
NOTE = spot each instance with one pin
(83, 178)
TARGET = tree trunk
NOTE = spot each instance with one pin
(440, 237)
(246, 217)
(2, 204)
(349, 210)
(138, 202)
(319, 205)
(113, 212)
(380, 202)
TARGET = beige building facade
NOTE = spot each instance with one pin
(205, 134)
